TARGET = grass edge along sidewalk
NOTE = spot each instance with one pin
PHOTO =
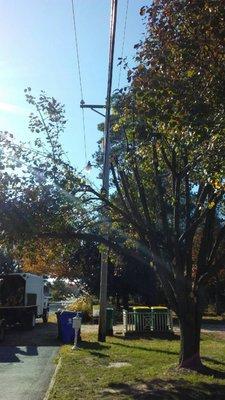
(52, 382)
(137, 368)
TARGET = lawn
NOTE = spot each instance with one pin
(137, 369)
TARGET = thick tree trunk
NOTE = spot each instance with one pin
(190, 327)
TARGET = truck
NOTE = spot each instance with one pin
(23, 298)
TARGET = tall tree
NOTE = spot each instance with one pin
(169, 173)
(173, 122)
(167, 167)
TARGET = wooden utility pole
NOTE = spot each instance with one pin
(105, 183)
(106, 167)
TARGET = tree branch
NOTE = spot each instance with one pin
(129, 197)
(116, 183)
(111, 243)
(214, 269)
(161, 200)
(126, 215)
(142, 194)
(217, 243)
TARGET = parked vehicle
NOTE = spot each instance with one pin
(22, 299)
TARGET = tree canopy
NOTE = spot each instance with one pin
(166, 201)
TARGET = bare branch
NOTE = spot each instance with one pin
(142, 194)
(116, 183)
(213, 270)
(161, 198)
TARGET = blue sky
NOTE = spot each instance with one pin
(38, 50)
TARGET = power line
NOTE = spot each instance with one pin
(123, 41)
(80, 79)
(77, 49)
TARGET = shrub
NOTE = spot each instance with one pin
(83, 304)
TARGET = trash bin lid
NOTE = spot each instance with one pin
(64, 315)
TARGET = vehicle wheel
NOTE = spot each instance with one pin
(45, 316)
(2, 333)
(30, 321)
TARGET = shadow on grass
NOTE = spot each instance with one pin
(205, 371)
(145, 348)
(171, 389)
(149, 336)
(213, 361)
(212, 321)
(212, 372)
(93, 346)
(214, 327)
(99, 355)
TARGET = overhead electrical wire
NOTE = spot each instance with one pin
(123, 41)
(80, 78)
(46, 156)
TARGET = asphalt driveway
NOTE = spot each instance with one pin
(27, 362)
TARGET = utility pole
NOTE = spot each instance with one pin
(106, 168)
(105, 183)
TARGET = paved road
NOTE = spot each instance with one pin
(27, 362)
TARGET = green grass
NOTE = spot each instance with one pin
(86, 374)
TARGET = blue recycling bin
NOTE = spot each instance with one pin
(65, 325)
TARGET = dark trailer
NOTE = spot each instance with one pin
(22, 300)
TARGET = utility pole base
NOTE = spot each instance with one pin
(101, 337)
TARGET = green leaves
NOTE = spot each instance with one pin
(191, 73)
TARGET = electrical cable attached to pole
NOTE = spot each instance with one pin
(105, 183)
(80, 79)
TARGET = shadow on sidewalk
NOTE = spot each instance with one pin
(41, 335)
(8, 354)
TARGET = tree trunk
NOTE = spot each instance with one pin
(190, 328)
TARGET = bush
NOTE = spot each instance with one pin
(83, 304)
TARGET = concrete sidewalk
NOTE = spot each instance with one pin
(26, 371)
(27, 362)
